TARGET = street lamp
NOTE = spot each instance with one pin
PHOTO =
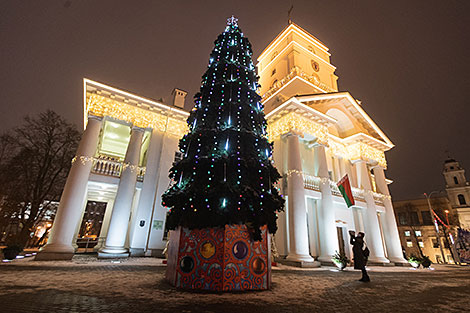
(435, 224)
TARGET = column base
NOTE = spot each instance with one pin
(326, 259)
(53, 256)
(299, 257)
(105, 255)
(302, 264)
(55, 252)
(113, 252)
(398, 260)
(378, 260)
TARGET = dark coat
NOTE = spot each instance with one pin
(360, 260)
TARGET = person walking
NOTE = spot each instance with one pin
(360, 253)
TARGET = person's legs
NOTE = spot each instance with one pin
(365, 276)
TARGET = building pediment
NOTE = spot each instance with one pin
(353, 123)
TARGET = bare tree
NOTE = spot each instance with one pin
(34, 169)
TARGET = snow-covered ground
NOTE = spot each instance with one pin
(86, 284)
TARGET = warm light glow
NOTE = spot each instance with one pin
(102, 106)
(363, 151)
(292, 28)
(296, 72)
(294, 121)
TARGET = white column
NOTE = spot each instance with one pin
(342, 167)
(118, 226)
(298, 233)
(69, 212)
(389, 223)
(147, 197)
(326, 212)
(337, 171)
(373, 237)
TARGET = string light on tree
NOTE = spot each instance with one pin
(228, 175)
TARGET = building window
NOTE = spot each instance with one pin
(407, 233)
(434, 243)
(456, 181)
(409, 244)
(274, 83)
(414, 218)
(402, 219)
(427, 220)
(273, 72)
(461, 199)
(418, 233)
(421, 243)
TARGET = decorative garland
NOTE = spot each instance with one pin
(133, 168)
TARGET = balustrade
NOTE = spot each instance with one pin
(105, 165)
(313, 183)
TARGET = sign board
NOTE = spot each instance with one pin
(157, 225)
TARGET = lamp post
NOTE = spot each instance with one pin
(435, 224)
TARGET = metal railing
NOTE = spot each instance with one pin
(88, 244)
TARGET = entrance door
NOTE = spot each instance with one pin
(339, 231)
(90, 228)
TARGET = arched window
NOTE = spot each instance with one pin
(274, 83)
(456, 181)
(461, 199)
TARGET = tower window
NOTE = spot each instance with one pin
(274, 83)
(456, 181)
(461, 199)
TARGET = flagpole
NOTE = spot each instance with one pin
(436, 225)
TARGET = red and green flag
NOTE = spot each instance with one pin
(345, 188)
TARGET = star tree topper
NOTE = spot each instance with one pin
(232, 21)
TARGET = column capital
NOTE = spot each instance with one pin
(293, 132)
(95, 117)
(315, 143)
(377, 166)
(358, 161)
(137, 128)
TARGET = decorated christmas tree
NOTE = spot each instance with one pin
(226, 175)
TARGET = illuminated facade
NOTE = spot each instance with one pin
(319, 136)
(111, 201)
(121, 166)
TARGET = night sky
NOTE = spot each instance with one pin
(407, 61)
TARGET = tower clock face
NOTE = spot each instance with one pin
(315, 66)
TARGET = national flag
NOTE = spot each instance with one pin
(345, 188)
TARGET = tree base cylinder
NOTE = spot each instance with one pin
(219, 259)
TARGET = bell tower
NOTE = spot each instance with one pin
(458, 190)
(295, 62)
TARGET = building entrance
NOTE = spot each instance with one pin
(341, 242)
(88, 235)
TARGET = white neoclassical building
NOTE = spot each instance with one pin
(111, 200)
(320, 135)
(113, 192)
